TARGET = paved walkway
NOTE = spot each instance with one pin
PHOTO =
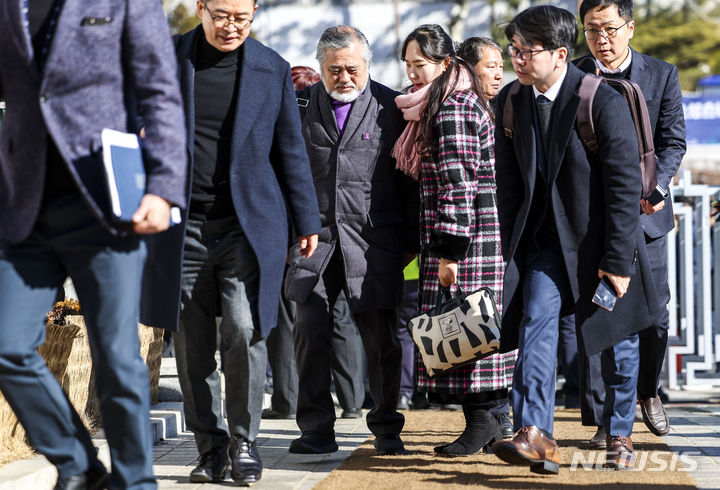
(695, 438)
(696, 435)
(176, 457)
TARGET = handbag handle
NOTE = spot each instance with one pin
(446, 295)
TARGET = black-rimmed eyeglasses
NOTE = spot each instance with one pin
(606, 32)
(222, 20)
(524, 54)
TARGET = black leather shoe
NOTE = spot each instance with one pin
(599, 440)
(314, 443)
(419, 401)
(95, 479)
(506, 425)
(245, 461)
(403, 403)
(213, 466)
(351, 413)
(389, 445)
(654, 415)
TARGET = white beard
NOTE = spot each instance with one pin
(345, 96)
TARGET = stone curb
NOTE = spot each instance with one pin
(38, 474)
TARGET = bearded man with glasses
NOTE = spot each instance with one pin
(249, 178)
(609, 26)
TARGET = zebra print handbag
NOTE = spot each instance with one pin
(458, 331)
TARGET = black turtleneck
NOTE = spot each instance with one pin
(57, 177)
(216, 87)
(39, 18)
(625, 74)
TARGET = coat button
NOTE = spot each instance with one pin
(341, 151)
(341, 221)
(340, 187)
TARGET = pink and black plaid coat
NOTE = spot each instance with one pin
(457, 189)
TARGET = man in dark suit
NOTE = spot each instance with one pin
(67, 71)
(249, 178)
(609, 26)
(566, 221)
(369, 220)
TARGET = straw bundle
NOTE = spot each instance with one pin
(151, 342)
(67, 353)
(12, 436)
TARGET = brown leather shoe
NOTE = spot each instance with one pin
(598, 441)
(654, 416)
(530, 447)
(620, 454)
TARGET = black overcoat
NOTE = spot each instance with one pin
(595, 205)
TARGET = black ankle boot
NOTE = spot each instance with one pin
(481, 429)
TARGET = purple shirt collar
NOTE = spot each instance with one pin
(342, 110)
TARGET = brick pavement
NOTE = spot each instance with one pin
(695, 435)
(177, 456)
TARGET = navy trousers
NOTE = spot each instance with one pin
(545, 284)
(652, 346)
(106, 271)
(654, 340)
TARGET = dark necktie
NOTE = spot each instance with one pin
(620, 74)
(544, 108)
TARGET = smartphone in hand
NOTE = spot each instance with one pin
(658, 194)
(605, 295)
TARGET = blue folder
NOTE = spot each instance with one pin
(125, 173)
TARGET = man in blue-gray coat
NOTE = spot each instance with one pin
(67, 71)
(249, 177)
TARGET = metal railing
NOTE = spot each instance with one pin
(694, 277)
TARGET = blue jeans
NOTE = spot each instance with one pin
(106, 271)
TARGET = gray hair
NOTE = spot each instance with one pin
(339, 37)
(471, 49)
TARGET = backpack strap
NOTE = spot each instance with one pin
(508, 116)
(638, 111)
(302, 97)
(584, 121)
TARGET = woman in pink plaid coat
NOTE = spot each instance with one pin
(448, 147)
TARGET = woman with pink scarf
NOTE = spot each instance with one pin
(448, 146)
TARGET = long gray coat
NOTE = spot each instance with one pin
(366, 206)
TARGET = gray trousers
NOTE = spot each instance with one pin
(220, 270)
